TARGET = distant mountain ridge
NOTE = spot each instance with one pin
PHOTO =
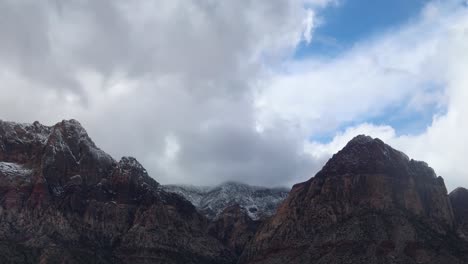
(259, 202)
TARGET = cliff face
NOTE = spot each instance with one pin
(459, 200)
(63, 200)
(369, 204)
(234, 227)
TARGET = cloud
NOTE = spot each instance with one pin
(437, 55)
(192, 88)
(309, 26)
(400, 67)
(170, 82)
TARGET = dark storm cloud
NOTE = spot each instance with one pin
(143, 76)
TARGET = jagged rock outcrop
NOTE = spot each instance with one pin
(459, 200)
(234, 227)
(259, 202)
(63, 200)
(369, 204)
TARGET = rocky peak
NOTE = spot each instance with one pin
(22, 143)
(69, 151)
(364, 154)
(131, 180)
(369, 204)
(460, 194)
(62, 198)
(131, 166)
(375, 175)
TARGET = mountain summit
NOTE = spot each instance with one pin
(369, 204)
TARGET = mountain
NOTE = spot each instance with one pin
(63, 200)
(369, 204)
(258, 202)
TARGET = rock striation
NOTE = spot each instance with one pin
(63, 200)
(369, 204)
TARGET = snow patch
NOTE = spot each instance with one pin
(12, 170)
(259, 202)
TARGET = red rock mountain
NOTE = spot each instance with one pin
(369, 204)
(63, 200)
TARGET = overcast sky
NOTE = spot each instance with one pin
(258, 91)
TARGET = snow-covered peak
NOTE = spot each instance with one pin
(259, 202)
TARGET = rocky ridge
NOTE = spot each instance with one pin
(63, 200)
(258, 202)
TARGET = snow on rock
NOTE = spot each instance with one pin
(259, 202)
(12, 170)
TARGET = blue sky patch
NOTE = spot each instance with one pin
(354, 20)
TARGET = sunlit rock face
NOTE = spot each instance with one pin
(369, 204)
(63, 200)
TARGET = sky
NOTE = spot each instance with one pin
(257, 91)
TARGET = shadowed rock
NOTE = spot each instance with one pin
(459, 199)
(234, 227)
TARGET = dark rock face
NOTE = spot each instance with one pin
(459, 199)
(63, 200)
(369, 204)
(234, 227)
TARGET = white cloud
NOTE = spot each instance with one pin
(309, 26)
(399, 67)
(319, 150)
(174, 83)
(415, 66)
(169, 82)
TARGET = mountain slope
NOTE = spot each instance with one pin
(369, 204)
(259, 202)
(63, 200)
